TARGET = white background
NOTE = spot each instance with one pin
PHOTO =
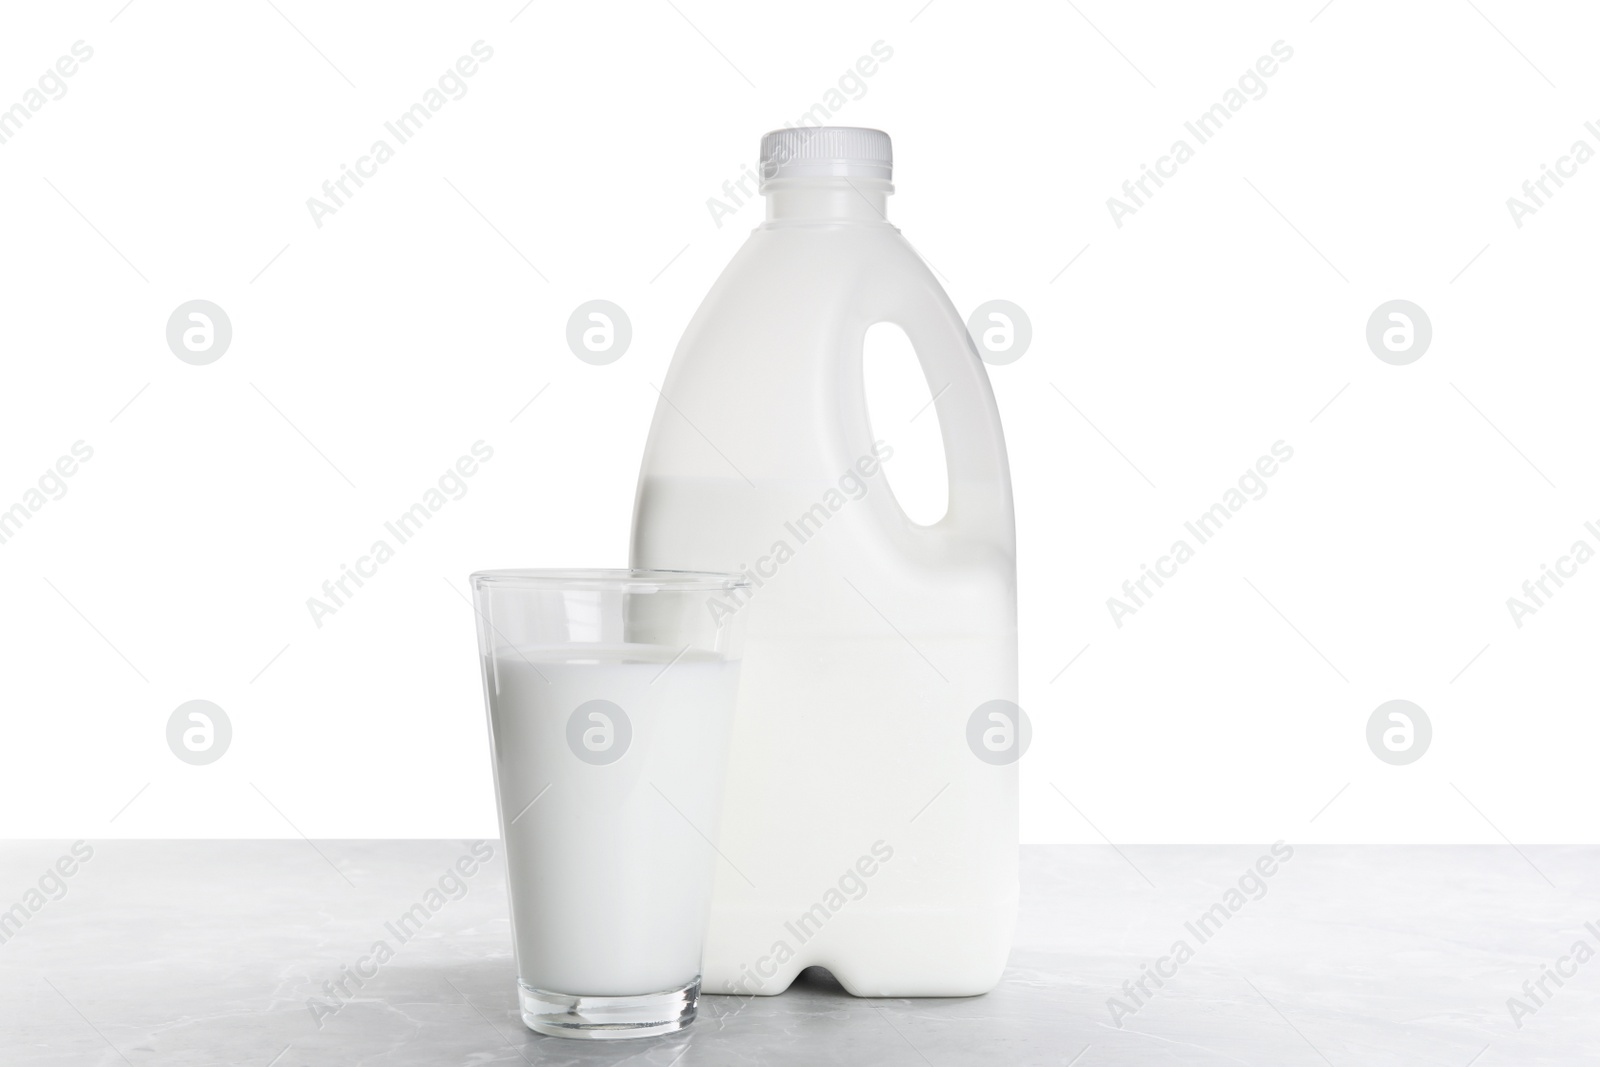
(1225, 315)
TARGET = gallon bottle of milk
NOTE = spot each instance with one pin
(869, 823)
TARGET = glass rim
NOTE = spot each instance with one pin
(624, 579)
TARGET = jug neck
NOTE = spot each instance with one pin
(828, 200)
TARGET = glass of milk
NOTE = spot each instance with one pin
(610, 697)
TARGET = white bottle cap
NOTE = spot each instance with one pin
(826, 152)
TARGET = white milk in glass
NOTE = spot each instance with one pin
(610, 868)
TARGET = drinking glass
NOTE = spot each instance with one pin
(610, 697)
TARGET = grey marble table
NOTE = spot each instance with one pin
(194, 952)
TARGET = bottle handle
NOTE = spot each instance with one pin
(980, 505)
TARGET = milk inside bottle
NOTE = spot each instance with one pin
(866, 805)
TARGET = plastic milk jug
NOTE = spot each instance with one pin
(869, 823)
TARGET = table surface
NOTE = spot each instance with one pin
(187, 953)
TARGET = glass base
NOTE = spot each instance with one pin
(607, 1018)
